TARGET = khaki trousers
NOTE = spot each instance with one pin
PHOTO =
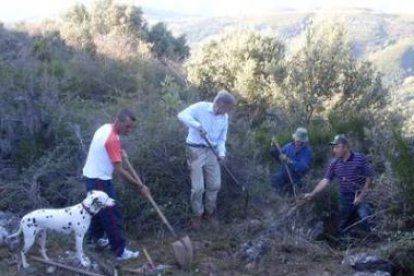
(205, 179)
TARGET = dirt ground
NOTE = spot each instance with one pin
(218, 251)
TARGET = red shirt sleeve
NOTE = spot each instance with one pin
(113, 147)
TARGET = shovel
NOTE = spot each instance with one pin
(182, 247)
(286, 167)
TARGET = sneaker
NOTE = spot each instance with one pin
(101, 243)
(128, 254)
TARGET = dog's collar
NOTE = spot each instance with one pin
(87, 210)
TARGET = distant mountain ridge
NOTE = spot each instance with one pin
(373, 34)
(387, 40)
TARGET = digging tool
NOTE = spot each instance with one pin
(182, 247)
(235, 181)
(286, 166)
(148, 257)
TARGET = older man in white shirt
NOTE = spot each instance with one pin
(206, 120)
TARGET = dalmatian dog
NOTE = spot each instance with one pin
(74, 219)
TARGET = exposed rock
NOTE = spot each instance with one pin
(51, 270)
(377, 273)
(369, 263)
(251, 250)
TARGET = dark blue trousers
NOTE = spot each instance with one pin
(109, 220)
(348, 212)
(280, 179)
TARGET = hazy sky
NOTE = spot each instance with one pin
(18, 10)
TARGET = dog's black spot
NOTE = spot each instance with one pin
(78, 223)
(65, 228)
(83, 217)
(34, 221)
(96, 203)
(28, 219)
(81, 212)
(70, 213)
(70, 223)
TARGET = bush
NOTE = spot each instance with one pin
(403, 166)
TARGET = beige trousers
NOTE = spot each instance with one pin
(205, 179)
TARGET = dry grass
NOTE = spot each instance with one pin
(219, 250)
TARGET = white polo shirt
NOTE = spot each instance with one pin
(105, 149)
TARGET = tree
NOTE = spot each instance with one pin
(166, 45)
(245, 62)
(77, 15)
(324, 76)
(108, 17)
(76, 29)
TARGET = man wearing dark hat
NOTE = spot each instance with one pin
(354, 174)
(297, 156)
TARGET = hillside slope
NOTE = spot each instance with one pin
(383, 38)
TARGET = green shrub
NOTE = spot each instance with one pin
(351, 126)
(403, 165)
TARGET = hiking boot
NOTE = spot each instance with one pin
(102, 243)
(196, 223)
(128, 254)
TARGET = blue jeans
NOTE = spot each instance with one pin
(109, 220)
(348, 212)
(280, 180)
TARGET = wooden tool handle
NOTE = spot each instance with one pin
(286, 166)
(154, 204)
(148, 257)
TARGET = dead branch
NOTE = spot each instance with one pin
(67, 267)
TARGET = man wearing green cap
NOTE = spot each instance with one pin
(354, 174)
(296, 155)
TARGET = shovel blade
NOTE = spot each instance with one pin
(183, 252)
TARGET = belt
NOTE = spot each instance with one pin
(197, 145)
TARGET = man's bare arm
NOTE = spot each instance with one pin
(126, 176)
(319, 188)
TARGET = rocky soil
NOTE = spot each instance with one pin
(278, 237)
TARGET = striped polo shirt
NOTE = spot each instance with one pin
(351, 173)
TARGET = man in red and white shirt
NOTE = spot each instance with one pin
(105, 157)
